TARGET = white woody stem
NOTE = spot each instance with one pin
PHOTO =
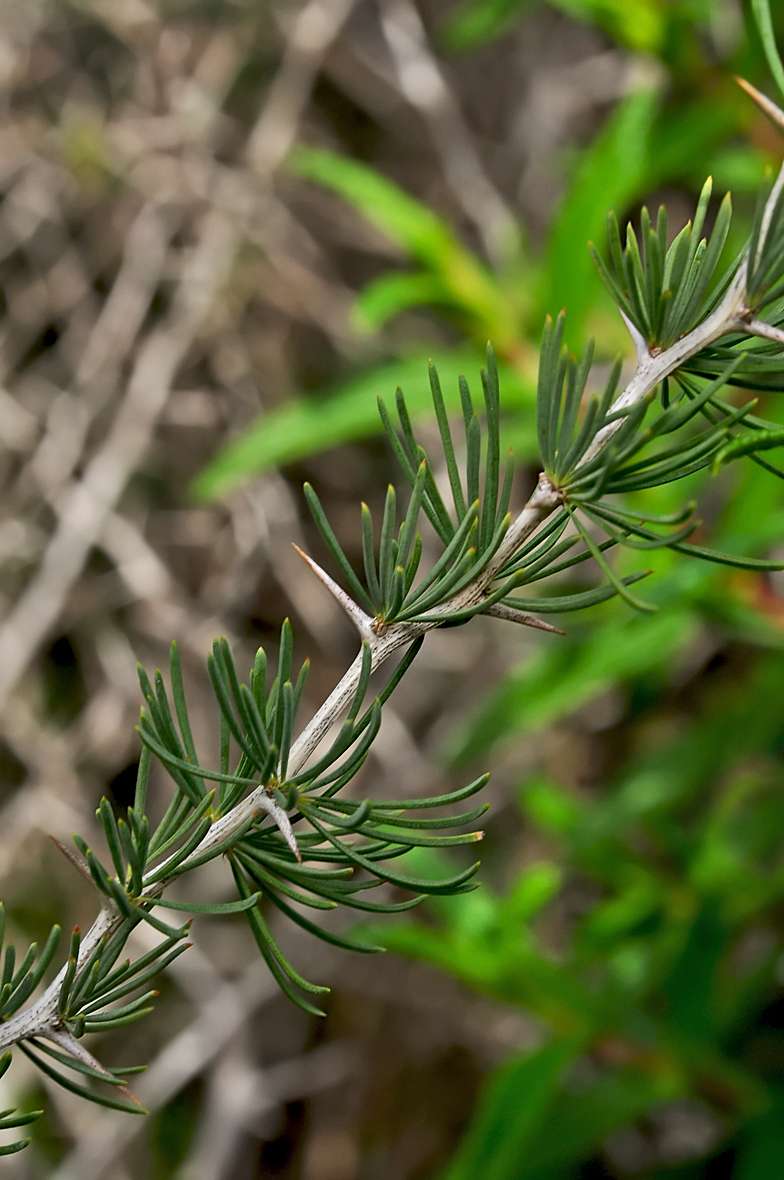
(732, 315)
(42, 1017)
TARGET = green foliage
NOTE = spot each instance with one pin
(642, 25)
(647, 142)
(307, 425)
(663, 980)
(611, 173)
(451, 275)
(329, 853)
(764, 283)
(17, 983)
(470, 540)
(685, 847)
(273, 858)
(762, 16)
(614, 650)
(511, 1112)
(645, 985)
(662, 290)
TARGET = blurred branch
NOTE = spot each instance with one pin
(88, 505)
(313, 30)
(422, 82)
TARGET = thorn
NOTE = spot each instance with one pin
(75, 859)
(284, 826)
(66, 1041)
(362, 622)
(757, 327)
(132, 1097)
(638, 340)
(512, 615)
(765, 104)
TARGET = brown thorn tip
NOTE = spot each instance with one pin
(765, 104)
(131, 1097)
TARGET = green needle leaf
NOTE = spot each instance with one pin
(748, 444)
(218, 907)
(620, 584)
(761, 10)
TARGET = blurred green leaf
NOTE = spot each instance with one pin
(739, 168)
(409, 223)
(688, 137)
(639, 24)
(577, 1124)
(533, 889)
(559, 679)
(761, 1146)
(551, 807)
(396, 292)
(690, 987)
(480, 21)
(308, 425)
(510, 1113)
(608, 176)
(668, 967)
(762, 15)
(452, 272)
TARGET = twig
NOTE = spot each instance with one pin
(384, 641)
(106, 476)
(362, 622)
(219, 1019)
(422, 82)
(315, 28)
